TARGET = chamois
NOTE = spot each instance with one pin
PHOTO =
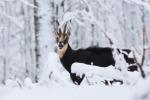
(102, 57)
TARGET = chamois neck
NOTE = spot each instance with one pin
(61, 52)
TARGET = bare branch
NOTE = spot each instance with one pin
(140, 65)
(144, 49)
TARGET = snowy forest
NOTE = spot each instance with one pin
(30, 67)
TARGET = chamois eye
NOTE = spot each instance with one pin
(65, 41)
(65, 36)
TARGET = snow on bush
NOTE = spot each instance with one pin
(95, 74)
(121, 64)
(53, 71)
(60, 87)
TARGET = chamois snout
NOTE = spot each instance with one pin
(60, 45)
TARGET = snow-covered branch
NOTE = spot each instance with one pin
(140, 64)
(28, 4)
(91, 70)
(13, 19)
(140, 3)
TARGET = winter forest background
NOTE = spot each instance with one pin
(27, 30)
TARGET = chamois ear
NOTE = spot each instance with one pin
(65, 27)
(60, 31)
(56, 25)
(68, 32)
(57, 22)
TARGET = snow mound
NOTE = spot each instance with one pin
(53, 71)
(96, 74)
(68, 93)
(90, 70)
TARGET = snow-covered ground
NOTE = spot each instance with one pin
(55, 92)
(92, 23)
(55, 84)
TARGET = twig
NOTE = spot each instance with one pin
(140, 65)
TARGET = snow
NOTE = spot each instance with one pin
(57, 92)
(90, 71)
(14, 20)
(92, 24)
(28, 4)
(138, 2)
(54, 70)
(142, 89)
(66, 93)
(55, 84)
(97, 75)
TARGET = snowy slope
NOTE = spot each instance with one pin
(58, 86)
(55, 92)
(58, 92)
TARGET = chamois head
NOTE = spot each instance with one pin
(62, 35)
